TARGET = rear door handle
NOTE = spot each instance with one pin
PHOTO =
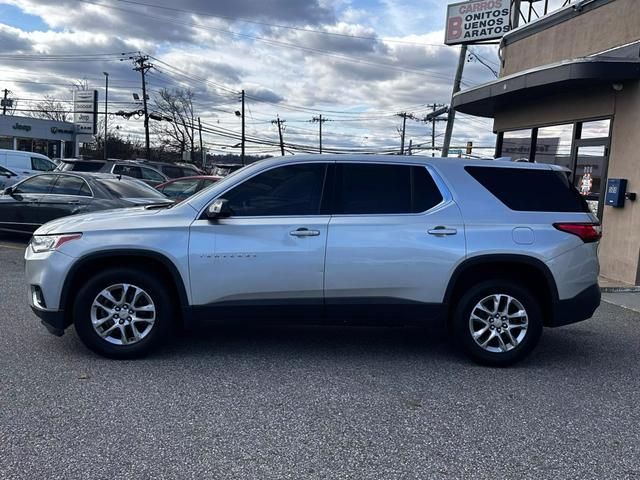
(304, 232)
(441, 231)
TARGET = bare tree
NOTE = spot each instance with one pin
(51, 109)
(176, 129)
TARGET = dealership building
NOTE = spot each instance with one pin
(49, 137)
(569, 94)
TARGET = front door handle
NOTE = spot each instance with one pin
(441, 231)
(304, 232)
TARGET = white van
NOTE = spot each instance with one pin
(25, 162)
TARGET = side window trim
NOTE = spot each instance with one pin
(440, 184)
(327, 163)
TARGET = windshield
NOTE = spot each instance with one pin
(130, 189)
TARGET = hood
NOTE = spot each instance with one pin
(146, 200)
(133, 217)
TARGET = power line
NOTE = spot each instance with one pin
(288, 27)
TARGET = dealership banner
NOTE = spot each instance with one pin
(85, 111)
(470, 22)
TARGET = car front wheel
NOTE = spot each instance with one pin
(122, 313)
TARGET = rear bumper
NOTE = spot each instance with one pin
(576, 309)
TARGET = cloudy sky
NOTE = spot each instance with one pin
(356, 62)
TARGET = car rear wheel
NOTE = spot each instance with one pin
(122, 313)
(497, 323)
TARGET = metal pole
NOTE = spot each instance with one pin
(204, 161)
(106, 115)
(146, 115)
(321, 133)
(452, 112)
(243, 138)
(4, 103)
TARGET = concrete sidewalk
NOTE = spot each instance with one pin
(629, 300)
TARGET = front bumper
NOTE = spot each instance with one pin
(576, 309)
(54, 320)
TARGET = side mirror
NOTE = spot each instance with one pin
(9, 191)
(218, 209)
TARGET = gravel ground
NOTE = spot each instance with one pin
(306, 403)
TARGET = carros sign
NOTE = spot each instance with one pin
(470, 22)
(85, 110)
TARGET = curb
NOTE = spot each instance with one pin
(630, 289)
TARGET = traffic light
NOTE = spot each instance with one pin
(469, 148)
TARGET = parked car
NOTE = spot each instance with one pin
(25, 163)
(179, 189)
(147, 174)
(8, 177)
(175, 170)
(33, 202)
(332, 238)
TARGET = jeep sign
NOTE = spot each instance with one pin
(85, 109)
(478, 20)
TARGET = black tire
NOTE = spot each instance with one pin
(152, 286)
(464, 337)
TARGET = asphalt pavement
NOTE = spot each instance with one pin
(310, 402)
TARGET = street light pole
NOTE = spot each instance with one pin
(106, 106)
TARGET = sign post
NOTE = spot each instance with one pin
(472, 22)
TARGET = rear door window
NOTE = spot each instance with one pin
(149, 174)
(70, 185)
(529, 190)
(373, 189)
(173, 172)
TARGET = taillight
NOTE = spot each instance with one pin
(588, 232)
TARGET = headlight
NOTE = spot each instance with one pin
(47, 243)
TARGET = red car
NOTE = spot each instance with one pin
(180, 188)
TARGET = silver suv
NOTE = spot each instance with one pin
(497, 249)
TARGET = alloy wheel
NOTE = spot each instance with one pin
(498, 323)
(123, 314)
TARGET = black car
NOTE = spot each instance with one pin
(41, 198)
(139, 170)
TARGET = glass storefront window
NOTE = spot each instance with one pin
(40, 146)
(517, 144)
(596, 129)
(590, 173)
(25, 144)
(554, 145)
(6, 142)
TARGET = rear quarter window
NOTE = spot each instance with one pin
(529, 190)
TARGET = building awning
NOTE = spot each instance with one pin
(568, 76)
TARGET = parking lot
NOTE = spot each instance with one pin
(306, 402)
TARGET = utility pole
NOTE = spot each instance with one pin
(4, 102)
(320, 121)
(106, 115)
(456, 89)
(243, 137)
(202, 154)
(142, 66)
(280, 122)
(433, 117)
(404, 116)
